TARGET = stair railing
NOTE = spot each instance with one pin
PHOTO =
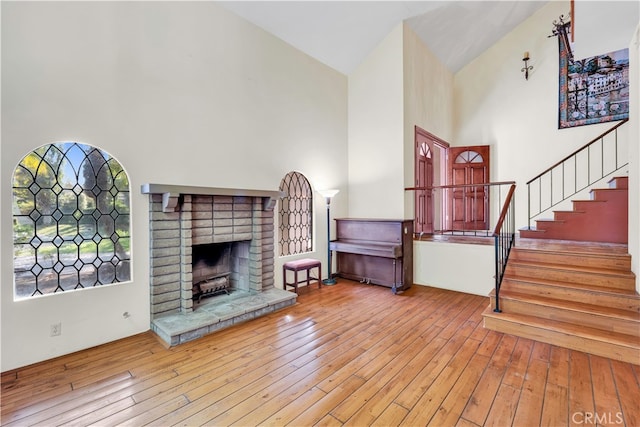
(481, 204)
(505, 237)
(584, 167)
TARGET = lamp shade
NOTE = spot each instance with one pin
(328, 193)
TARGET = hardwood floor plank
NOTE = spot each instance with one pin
(451, 408)
(559, 367)
(347, 354)
(430, 401)
(32, 406)
(372, 354)
(581, 387)
(427, 375)
(391, 416)
(479, 332)
(605, 396)
(504, 406)
(514, 375)
(628, 391)
(290, 410)
(81, 417)
(489, 343)
(266, 401)
(555, 409)
(479, 404)
(465, 423)
(541, 350)
(312, 414)
(529, 408)
(385, 372)
(383, 399)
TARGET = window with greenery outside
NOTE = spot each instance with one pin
(71, 225)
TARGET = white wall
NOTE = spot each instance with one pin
(376, 161)
(180, 93)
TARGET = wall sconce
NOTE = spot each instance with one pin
(526, 67)
(328, 194)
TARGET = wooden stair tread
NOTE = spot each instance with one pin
(615, 261)
(572, 285)
(581, 269)
(606, 252)
(571, 246)
(631, 341)
(598, 310)
(570, 211)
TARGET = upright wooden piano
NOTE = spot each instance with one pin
(377, 251)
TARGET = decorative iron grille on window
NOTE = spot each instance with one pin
(71, 227)
(296, 213)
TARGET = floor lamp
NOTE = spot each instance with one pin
(328, 194)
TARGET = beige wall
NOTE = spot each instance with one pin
(376, 132)
(634, 156)
(180, 93)
(428, 103)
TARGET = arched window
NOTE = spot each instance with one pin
(71, 209)
(295, 216)
(469, 157)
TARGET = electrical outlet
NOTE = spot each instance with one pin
(56, 329)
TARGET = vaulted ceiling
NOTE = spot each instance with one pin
(342, 33)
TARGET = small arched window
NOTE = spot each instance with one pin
(295, 216)
(425, 151)
(469, 157)
(71, 226)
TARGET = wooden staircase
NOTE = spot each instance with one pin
(602, 218)
(578, 295)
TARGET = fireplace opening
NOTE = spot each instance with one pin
(219, 268)
(211, 269)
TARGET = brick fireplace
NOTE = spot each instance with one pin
(236, 227)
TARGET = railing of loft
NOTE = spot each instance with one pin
(481, 205)
(595, 161)
(505, 237)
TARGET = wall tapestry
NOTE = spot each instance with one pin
(593, 90)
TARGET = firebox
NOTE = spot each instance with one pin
(211, 268)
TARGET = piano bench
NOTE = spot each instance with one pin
(306, 264)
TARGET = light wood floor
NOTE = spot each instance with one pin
(347, 354)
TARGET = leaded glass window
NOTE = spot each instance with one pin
(295, 216)
(71, 225)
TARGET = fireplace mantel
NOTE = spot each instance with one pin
(171, 194)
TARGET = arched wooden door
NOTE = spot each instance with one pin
(470, 204)
(424, 178)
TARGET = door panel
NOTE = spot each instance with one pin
(424, 178)
(470, 204)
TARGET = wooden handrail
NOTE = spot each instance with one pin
(505, 209)
(579, 150)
